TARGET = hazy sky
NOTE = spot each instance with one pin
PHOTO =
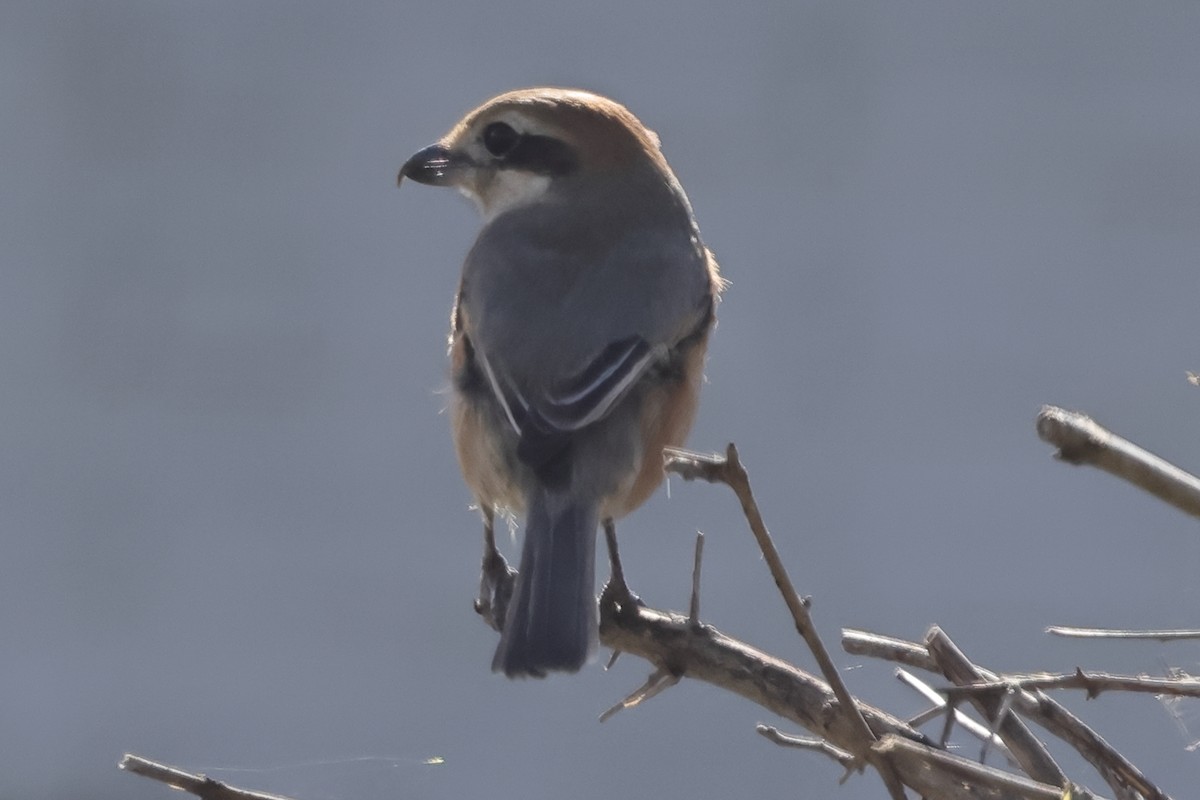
(234, 534)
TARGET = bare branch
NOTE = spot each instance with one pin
(703, 653)
(1125, 779)
(952, 773)
(681, 646)
(1025, 747)
(1092, 682)
(848, 762)
(1120, 633)
(1080, 440)
(1117, 771)
(658, 681)
(199, 785)
(729, 470)
(863, 643)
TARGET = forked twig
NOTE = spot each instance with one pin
(729, 471)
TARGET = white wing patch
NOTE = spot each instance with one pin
(498, 391)
(590, 395)
(582, 399)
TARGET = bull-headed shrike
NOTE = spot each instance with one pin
(577, 340)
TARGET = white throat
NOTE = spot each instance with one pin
(508, 189)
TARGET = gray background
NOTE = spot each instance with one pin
(234, 535)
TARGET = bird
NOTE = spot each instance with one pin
(577, 343)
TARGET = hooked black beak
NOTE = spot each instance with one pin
(436, 165)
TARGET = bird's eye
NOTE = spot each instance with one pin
(499, 138)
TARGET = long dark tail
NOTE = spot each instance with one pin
(551, 622)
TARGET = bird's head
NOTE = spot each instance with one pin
(518, 148)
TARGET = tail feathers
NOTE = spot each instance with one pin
(551, 624)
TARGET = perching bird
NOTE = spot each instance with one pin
(577, 342)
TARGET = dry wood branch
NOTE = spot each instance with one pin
(702, 652)
(680, 647)
(1025, 747)
(199, 785)
(729, 471)
(1080, 440)
(659, 681)
(863, 643)
(954, 774)
(1119, 772)
(1092, 682)
(849, 731)
(1121, 633)
(1121, 775)
(1126, 780)
(848, 762)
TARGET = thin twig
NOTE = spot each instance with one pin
(847, 761)
(729, 470)
(1092, 682)
(940, 707)
(1081, 440)
(931, 713)
(658, 681)
(952, 716)
(1121, 633)
(1002, 713)
(694, 601)
(616, 586)
(199, 785)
